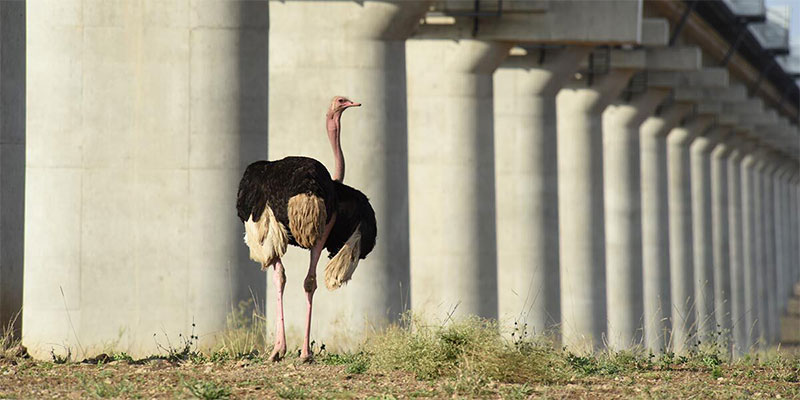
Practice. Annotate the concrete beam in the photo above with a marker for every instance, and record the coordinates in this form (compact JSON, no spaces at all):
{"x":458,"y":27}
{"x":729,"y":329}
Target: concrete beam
{"x":508,"y":6}
{"x":709,"y":107}
{"x":708,"y":77}
{"x":655,"y":32}
{"x":684,"y":58}
{"x":728,"y":119}
{"x":658,"y":59}
{"x":622,"y":59}
{"x":747,"y":107}
{"x":767,"y":118}
{"x":732,"y":93}
{"x":568,"y":21}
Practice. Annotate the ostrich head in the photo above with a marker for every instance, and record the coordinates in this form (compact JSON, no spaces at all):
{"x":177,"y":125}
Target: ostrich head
{"x":341,"y":103}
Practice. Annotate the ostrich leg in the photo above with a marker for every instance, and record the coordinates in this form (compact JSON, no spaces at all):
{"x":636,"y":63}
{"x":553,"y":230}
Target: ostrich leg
{"x":279,"y":277}
{"x":310,"y":285}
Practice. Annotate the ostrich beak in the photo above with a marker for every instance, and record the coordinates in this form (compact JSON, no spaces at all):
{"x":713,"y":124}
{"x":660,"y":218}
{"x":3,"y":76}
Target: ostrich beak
{"x":354,"y":105}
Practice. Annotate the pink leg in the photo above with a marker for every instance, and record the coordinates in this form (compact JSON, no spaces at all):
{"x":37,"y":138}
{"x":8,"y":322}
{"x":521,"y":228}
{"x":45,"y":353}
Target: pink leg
{"x":279,"y":277}
{"x":310,"y":285}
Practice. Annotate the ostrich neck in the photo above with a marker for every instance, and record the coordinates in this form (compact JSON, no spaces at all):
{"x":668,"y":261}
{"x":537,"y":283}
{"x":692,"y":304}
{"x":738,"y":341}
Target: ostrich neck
{"x":334,"y":129}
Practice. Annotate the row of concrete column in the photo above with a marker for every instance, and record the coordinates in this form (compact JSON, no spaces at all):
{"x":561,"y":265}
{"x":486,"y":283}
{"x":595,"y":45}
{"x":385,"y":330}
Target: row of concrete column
{"x":521,"y":188}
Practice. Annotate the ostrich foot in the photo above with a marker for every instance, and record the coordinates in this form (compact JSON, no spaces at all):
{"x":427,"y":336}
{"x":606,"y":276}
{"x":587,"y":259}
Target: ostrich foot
{"x":307,"y":359}
{"x":277,"y":353}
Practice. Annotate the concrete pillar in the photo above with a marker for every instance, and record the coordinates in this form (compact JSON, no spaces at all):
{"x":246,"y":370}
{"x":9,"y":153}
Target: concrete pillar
{"x":140,"y":120}
{"x":357,"y":49}
{"x":655,"y":225}
{"x":796,"y":228}
{"x":759,"y":304}
{"x":680,"y":230}
{"x":794,"y":253}
{"x":720,"y":215}
{"x":735,"y":238}
{"x":527,"y":186}
{"x":702,"y":236}
{"x":12,"y":160}
{"x":794,"y":224}
{"x":792,"y":248}
{"x":451,"y":175}
{"x":623,"y":220}
{"x":770,"y":282}
{"x":781,"y":234}
{"x":579,"y":110}
{"x":749,"y":246}
{"x":794,"y":197}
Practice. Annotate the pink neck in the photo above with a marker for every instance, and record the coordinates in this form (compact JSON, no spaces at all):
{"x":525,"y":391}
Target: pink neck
{"x":334,"y":129}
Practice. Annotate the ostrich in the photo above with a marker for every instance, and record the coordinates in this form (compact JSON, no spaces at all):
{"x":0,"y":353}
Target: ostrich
{"x":295,"y":201}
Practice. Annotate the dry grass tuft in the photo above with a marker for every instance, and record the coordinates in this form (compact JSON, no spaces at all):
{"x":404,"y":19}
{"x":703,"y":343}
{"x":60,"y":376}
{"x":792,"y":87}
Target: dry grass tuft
{"x":245,"y":334}
{"x":10,"y":344}
{"x":472,"y":349}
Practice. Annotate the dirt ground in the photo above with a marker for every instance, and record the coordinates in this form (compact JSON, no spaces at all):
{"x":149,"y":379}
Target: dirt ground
{"x":257,"y":378}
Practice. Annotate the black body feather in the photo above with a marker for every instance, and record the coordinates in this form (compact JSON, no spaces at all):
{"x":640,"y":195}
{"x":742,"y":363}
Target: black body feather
{"x":353,"y":210}
{"x":273,"y":183}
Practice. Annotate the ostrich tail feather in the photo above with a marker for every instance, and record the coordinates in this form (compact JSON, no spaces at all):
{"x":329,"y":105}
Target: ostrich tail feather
{"x":342,"y":266}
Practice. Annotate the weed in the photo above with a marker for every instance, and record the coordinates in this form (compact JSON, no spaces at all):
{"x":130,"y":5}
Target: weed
{"x":336,"y":359}
{"x":207,"y":390}
{"x":187,"y":349}
{"x":121,"y":356}
{"x":358,"y":366}
{"x":59,"y":359}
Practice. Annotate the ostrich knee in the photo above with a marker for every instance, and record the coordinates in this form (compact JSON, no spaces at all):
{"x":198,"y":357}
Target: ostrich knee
{"x":279,"y":278}
{"x":310,"y":284}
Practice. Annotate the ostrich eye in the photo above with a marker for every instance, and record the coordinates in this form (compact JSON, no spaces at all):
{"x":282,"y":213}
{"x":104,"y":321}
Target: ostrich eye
{"x":341,"y":100}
